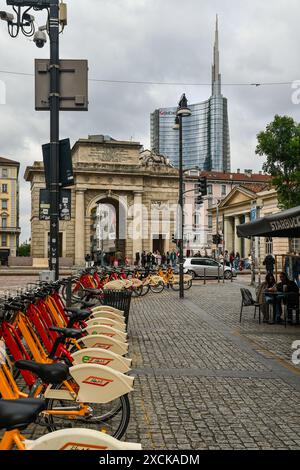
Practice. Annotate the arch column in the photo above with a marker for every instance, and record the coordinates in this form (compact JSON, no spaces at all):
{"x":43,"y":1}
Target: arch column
{"x":247,"y":240}
{"x":237,"y":240}
{"x":137,"y":226}
{"x":79,"y":228}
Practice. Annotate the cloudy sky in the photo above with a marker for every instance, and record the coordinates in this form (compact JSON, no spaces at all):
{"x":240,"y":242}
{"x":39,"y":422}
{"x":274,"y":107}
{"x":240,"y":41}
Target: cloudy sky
{"x":157,"y":41}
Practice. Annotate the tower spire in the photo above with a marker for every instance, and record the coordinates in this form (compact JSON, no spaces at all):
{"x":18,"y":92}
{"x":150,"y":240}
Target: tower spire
{"x":216,"y":76}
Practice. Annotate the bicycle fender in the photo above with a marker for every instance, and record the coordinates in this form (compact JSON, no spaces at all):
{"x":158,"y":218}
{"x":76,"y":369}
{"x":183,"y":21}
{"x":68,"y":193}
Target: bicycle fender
{"x":100,"y":384}
{"x":107,"y":331}
{"x":103,"y":358}
{"x":104,"y":342}
{"x":79,"y":439}
{"x":107,"y":308}
{"x":109,"y":315}
{"x":107,"y":322}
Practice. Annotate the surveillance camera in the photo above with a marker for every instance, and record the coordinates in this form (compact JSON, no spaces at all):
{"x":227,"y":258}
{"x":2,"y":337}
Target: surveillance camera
{"x":40,"y":39}
{"x":28,"y":18}
{"x":9,"y":17}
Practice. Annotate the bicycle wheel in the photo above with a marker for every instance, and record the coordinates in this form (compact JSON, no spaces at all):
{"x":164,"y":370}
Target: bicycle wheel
{"x":188,"y":285}
{"x":175,"y":286}
{"x":111,"y":418}
{"x":158,"y":288}
{"x":145,"y":290}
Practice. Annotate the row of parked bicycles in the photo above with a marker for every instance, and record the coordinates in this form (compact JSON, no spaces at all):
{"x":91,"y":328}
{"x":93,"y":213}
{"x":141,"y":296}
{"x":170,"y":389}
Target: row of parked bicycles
{"x":140,"y":282}
{"x":64,"y":369}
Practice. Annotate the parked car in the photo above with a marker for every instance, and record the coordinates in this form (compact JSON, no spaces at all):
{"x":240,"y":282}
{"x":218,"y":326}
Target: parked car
{"x":195,"y":267}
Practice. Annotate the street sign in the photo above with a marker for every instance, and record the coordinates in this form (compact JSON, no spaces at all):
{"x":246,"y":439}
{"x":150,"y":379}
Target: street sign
{"x":66,"y":177}
{"x":30,"y":3}
{"x":253,"y":214}
{"x":73,"y":85}
{"x":65,"y":201}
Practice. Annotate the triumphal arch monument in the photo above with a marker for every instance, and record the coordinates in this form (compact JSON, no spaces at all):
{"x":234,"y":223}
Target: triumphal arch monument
{"x":124,"y":199}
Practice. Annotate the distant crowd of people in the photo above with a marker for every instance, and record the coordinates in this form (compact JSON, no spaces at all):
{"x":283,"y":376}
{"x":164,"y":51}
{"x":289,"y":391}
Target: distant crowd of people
{"x":144,"y":259}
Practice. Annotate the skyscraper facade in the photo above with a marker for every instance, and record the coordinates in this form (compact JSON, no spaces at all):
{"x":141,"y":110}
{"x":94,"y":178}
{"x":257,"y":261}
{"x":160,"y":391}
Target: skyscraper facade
{"x":206,"y":141}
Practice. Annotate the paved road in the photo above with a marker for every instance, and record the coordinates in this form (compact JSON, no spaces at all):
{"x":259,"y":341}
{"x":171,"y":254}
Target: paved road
{"x":205,"y":382}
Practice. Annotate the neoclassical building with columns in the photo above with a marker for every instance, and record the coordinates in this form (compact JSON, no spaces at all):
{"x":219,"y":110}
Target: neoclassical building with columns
{"x":140,"y":186}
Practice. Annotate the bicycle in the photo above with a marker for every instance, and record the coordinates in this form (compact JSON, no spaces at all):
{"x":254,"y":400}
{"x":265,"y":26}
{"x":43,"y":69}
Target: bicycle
{"x":17,"y":415}
{"x":75,"y":389}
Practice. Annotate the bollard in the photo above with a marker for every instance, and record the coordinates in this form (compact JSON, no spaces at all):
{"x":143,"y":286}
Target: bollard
{"x":231,"y":275}
{"x":204,"y":276}
{"x":218,"y":274}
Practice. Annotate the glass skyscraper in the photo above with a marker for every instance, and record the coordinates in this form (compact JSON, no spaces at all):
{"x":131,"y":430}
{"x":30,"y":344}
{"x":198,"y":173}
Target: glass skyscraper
{"x":206,"y":141}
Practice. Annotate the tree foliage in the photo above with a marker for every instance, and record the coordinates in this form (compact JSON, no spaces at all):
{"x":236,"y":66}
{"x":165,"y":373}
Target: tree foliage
{"x":24,"y":250}
{"x":280,"y":143}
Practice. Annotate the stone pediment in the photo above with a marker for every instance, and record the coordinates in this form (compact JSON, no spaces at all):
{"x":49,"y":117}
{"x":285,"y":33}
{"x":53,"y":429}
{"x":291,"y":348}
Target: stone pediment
{"x":237,"y":196}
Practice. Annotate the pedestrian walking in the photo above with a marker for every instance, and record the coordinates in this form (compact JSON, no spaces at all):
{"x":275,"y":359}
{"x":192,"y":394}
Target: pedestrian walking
{"x":269,"y":262}
{"x":88,"y":260}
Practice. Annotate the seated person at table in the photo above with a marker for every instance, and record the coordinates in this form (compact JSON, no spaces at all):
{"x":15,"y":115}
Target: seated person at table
{"x":269,"y":282}
{"x":284,"y":286}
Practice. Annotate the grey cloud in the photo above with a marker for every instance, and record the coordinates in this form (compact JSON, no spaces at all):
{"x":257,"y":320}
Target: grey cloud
{"x":157,"y":40}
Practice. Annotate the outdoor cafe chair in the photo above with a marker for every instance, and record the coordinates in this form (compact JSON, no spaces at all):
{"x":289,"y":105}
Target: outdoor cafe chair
{"x":291,"y":305}
{"x":248,"y":301}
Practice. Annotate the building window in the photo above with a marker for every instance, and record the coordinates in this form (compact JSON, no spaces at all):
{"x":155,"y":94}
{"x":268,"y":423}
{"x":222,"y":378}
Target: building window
{"x":4,"y":222}
{"x":4,"y":188}
{"x":224,"y":189}
{"x":269,"y":246}
{"x":4,"y":239}
{"x":4,"y":204}
{"x":4,"y":172}
{"x":210,"y":189}
{"x":210,"y":221}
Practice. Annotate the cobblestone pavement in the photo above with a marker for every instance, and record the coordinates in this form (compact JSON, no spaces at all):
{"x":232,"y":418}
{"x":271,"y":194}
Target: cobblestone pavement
{"x":10,"y":284}
{"x":203,"y":381}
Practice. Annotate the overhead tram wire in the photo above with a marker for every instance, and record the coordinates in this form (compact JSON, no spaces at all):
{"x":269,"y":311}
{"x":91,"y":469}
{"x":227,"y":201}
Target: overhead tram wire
{"x":140,"y":82}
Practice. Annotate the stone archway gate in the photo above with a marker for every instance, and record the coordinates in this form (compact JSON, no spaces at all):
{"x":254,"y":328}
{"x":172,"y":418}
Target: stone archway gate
{"x":108,"y":169}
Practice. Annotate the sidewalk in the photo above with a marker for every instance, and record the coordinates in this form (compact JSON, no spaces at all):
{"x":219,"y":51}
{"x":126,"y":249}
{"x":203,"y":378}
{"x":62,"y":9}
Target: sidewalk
{"x":204,"y":382}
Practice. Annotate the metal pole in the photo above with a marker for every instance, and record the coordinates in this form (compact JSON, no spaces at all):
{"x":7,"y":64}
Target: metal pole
{"x":181,"y":275}
{"x":253,"y":254}
{"x":54,"y":136}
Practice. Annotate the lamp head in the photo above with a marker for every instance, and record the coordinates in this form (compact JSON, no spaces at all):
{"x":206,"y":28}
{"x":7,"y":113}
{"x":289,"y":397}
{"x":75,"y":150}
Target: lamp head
{"x":183,"y":109}
{"x":176,"y":124}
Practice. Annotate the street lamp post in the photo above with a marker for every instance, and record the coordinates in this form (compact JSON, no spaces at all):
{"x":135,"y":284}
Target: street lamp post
{"x":26,"y":24}
{"x":54,"y":136}
{"x":182,"y":111}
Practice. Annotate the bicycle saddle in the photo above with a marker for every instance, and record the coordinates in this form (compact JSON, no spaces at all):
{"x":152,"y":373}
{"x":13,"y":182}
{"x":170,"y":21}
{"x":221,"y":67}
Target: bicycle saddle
{"x":19,"y":414}
{"x":53,"y":374}
{"x":93,"y":291}
{"x":79,"y":313}
{"x":76,"y":315}
{"x":67,"y":332}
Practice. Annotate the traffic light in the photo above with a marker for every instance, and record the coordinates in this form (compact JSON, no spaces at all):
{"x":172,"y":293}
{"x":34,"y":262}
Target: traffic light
{"x":202,"y":182}
{"x":199,"y":200}
{"x":174,"y":240}
{"x":217,"y":239}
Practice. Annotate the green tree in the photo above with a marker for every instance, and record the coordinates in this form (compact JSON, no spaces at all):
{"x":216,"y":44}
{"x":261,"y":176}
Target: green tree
{"x":280,"y":143}
{"x":24,"y":250}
